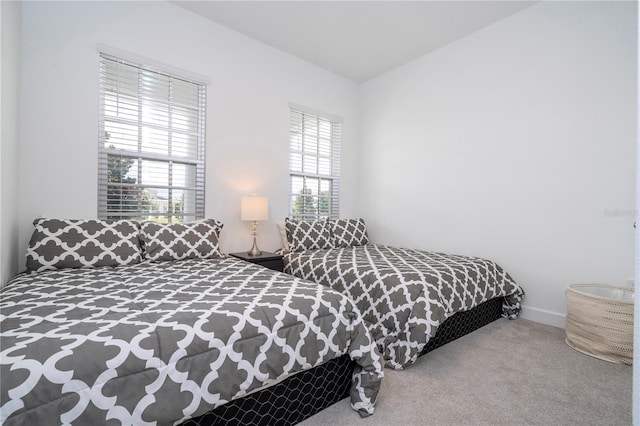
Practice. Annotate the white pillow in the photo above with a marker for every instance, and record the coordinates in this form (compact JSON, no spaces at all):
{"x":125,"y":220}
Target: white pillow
{"x":283,"y":235}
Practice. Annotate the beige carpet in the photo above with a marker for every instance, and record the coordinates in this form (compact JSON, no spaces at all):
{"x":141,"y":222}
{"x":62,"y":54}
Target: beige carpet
{"x":507,"y":373}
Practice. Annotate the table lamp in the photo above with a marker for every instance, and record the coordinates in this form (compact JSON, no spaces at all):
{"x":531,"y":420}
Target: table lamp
{"x":254,"y":209}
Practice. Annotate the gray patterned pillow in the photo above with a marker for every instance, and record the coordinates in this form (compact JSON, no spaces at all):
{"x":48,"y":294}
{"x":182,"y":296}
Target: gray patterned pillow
{"x":308,"y":235}
{"x":178,"y":241}
{"x":67,"y":243}
{"x":349,"y":232}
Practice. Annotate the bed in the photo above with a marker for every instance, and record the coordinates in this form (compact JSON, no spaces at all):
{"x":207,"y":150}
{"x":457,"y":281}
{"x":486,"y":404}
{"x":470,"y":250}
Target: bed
{"x":403,"y":295}
{"x":125,"y":323}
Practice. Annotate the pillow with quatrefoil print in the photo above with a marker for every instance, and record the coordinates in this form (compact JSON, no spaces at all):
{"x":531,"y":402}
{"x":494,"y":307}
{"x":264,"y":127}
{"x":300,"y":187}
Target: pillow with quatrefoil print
{"x":308,"y":235}
{"x":349,"y":232}
{"x":69,"y":243}
{"x":178,"y":241}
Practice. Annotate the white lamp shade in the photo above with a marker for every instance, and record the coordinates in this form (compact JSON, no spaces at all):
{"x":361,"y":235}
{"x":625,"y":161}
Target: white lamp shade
{"x":254,"y":208}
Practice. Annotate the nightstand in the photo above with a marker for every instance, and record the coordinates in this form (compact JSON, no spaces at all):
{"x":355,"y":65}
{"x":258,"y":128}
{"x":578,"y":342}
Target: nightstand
{"x":266,"y":259}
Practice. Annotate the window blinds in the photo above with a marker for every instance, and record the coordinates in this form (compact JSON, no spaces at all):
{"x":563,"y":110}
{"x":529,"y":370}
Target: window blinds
{"x":314,"y":165}
{"x":151,"y":144}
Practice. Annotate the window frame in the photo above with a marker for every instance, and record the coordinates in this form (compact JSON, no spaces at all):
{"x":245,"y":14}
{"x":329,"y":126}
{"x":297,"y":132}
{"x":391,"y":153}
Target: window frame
{"x":299,"y":115}
{"x":173,"y":162}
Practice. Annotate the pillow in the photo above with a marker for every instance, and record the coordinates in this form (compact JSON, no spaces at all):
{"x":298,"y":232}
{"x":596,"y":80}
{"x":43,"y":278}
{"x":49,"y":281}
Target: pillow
{"x":67,"y":243}
{"x":178,"y":241}
{"x":283,"y":235}
{"x":308,"y":235}
{"x":349,"y":232}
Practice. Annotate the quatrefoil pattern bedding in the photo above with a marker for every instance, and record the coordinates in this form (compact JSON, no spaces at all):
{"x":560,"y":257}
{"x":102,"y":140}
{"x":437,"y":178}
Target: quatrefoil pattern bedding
{"x":67,"y":243}
{"x":304,"y":235}
{"x":403,"y":294}
{"x":178,"y":241}
{"x":160,"y":342}
{"x":349,"y":232}
{"x":308,"y":235}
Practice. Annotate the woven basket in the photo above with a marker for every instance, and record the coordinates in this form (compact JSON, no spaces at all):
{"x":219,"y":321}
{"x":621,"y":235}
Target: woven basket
{"x":600,"y":321}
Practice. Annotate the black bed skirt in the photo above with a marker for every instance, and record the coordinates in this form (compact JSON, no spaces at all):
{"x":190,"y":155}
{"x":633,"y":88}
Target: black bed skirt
{"x":301,"y":396}
{"x":464,"y":323}
{"x":288,"y":402}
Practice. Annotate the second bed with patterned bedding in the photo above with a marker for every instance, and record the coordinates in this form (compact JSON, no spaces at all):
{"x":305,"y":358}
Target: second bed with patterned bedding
{"x":403,"y":294}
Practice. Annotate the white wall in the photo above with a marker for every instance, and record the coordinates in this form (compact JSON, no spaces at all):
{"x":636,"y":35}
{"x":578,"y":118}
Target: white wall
{"x":10,"y":27}
{"x":247,"y":109}
{"x":515,"y":143}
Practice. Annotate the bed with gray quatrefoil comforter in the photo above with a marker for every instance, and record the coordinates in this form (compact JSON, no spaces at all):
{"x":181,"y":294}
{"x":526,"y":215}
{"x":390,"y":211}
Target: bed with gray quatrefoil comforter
{"x":158,"y":343}
{"x":404,"y":294}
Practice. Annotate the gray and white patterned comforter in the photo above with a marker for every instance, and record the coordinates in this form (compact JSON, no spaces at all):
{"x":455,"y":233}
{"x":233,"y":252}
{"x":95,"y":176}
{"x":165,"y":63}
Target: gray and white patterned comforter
{"x":157,"y":343}
{"x":403,"y":294}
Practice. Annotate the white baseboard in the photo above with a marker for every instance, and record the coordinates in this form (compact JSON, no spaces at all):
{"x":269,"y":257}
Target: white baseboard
{"x":543,"y":316}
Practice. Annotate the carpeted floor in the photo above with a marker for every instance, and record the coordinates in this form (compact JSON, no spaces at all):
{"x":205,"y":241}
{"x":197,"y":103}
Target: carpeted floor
{"x":507,"y":373}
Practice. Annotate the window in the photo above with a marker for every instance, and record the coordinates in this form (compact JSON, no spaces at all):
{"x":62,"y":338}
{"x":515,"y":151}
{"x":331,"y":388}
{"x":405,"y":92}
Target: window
{"x":151,"y":152}
{"x":314,"y":165}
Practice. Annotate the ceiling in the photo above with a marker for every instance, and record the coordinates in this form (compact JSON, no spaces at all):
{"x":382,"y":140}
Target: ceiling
{"x":358,"y":40}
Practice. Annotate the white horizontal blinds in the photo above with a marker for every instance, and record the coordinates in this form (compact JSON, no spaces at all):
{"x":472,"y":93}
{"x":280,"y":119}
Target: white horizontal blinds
{"x":151,"y":154}
{"x":314,"y":166}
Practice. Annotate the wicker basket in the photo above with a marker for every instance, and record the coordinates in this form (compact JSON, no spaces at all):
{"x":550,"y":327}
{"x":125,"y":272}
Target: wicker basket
{"x":600,"y":321}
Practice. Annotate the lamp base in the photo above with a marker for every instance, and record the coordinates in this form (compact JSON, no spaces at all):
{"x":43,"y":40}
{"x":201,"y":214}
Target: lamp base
{"x":255,"y":251}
